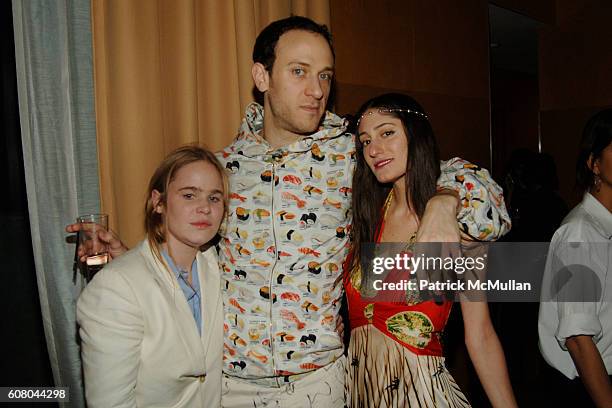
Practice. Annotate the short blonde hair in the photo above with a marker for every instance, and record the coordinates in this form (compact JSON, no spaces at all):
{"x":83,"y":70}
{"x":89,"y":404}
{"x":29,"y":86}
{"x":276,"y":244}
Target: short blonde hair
{"x":161,"y":179}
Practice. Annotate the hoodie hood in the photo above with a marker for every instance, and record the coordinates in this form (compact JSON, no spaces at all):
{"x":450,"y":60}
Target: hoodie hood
{"x":250,"y":143}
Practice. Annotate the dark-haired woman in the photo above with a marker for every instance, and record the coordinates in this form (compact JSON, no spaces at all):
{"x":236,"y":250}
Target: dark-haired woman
{"x":575,"y":322}
{"x":395,"y":354}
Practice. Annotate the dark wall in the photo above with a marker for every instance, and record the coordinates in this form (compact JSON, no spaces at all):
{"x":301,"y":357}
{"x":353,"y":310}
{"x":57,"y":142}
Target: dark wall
{"x":11,"y":167}
{"x":541,"y":10}
{"x":514,"y":116}
{"x":434,"y":51}
{"x":575,"y":81}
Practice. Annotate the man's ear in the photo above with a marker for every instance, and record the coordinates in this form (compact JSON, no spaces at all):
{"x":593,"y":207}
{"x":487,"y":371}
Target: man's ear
{"x":155,"y":199}
{"x":261,"y":77}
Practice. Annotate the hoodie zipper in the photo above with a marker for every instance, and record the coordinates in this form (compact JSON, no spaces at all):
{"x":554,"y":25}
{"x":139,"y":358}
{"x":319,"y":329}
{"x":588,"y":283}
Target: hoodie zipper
{"x":271,"y":324}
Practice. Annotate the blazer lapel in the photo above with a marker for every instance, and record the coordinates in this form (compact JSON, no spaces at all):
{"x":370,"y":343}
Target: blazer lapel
{"x":210,"y":286}
{"x":176,"y":299}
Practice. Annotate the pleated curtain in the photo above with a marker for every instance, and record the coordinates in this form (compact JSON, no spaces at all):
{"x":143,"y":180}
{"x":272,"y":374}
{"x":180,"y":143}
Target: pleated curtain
{"x":170,"y":72}
{"x":56,"y":108}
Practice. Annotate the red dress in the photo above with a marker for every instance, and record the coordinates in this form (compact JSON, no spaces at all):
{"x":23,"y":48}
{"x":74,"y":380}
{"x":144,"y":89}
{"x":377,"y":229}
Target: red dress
{"x":395,"y":354}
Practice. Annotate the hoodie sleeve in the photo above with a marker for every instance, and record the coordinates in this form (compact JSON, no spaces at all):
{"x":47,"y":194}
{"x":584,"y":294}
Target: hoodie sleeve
{"x":483,"y":214}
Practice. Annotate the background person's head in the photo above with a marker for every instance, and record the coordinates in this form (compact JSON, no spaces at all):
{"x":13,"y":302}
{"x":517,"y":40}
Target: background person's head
{"x":594,"y":164}
{"x":186,"y":199}
{"x":293,"y":66}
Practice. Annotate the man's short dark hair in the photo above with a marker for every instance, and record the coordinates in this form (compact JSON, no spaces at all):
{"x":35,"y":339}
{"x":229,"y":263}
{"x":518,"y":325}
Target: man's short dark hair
{"x":264,"y":50}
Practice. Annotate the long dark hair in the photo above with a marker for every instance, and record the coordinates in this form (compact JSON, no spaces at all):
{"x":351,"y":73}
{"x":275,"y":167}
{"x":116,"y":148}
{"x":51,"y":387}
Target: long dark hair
{"x":597,"y":135}
{"x":422,"y":168}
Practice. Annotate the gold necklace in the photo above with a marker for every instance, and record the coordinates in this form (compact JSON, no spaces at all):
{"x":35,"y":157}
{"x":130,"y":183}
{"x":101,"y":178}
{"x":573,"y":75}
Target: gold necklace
{"x":357,"y":274}
{"x":387,"y":204}
{"x":386,"y":207}
{"x":412,"y":297}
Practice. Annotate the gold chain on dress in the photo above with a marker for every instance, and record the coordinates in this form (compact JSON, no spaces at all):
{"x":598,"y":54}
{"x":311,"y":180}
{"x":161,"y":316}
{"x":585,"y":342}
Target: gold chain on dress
{"x":412,"y":297}
{"x":357,"y":275}
{"x":388,"y":202}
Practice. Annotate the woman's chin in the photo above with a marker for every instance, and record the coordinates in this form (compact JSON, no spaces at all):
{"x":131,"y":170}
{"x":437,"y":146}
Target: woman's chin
{"x":387,"y":179}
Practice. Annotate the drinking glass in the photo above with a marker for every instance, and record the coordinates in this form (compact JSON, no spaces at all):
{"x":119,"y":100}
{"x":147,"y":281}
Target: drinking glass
{"x":95,"y":249}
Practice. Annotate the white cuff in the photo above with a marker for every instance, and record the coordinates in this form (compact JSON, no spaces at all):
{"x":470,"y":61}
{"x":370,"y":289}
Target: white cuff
{"x":578,"y":324}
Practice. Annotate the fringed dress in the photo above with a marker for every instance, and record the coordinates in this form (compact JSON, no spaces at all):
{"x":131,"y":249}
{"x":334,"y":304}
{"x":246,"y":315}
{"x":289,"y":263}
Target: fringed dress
{"x":395,"y":353}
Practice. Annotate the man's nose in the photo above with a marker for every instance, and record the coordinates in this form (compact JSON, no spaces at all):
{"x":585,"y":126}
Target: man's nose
{"x":314,"y":88}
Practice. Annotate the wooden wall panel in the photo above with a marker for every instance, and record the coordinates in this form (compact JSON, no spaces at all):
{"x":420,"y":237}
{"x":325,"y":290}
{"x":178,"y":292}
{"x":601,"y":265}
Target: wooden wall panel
{"x":566,"y":10}
{"x":435,"y":51}
{"x":374,"y":42}
{"x":541,"y":10}
{"x":449,"y":117}
{"x":575,"y":82}
{"x":514,"y":116}
{"x":452,"y":47}
{"x":576,"y":63}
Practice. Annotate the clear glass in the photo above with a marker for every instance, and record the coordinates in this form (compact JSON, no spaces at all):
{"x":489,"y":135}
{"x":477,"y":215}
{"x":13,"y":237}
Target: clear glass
{"x":95,"y":249}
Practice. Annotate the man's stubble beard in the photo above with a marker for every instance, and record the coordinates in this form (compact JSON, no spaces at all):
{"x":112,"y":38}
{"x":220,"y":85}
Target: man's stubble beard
{"x":282,"y":118}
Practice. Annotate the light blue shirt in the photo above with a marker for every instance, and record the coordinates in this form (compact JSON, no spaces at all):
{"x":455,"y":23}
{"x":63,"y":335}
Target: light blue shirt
{"x":192,"y":292}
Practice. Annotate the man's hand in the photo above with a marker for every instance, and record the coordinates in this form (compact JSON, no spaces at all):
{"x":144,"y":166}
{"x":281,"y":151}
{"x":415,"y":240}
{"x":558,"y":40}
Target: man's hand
{"x":113,"y":244}
{"x":439,"y":225}
{"x":439,"y":222}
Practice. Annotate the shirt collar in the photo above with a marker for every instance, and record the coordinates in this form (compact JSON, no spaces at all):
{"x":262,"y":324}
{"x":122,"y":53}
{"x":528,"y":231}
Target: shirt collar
{"x":599,"y":213}
{"x":181,"y":274}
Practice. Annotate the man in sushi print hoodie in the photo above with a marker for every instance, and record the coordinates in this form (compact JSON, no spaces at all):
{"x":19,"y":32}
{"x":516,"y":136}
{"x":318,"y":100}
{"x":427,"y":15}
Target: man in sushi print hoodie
{"x":287,"y":233}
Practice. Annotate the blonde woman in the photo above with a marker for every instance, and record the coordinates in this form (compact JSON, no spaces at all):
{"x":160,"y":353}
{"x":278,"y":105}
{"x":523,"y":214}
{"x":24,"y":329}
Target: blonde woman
{"x":151,"y":321}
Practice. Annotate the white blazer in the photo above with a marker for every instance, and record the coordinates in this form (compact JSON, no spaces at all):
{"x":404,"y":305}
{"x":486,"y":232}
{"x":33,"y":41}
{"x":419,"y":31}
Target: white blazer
{"x":139,"y":342}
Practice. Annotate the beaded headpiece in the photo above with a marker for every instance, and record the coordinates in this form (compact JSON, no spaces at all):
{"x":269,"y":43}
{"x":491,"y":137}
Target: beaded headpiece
{"x":391,"y":110}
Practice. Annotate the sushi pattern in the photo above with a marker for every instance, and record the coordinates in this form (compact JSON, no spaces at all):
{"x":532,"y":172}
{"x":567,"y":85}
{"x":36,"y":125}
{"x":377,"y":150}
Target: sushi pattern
{"x":287,"y":235}
{"x":483,"y":215}
{"x":282,"y":247}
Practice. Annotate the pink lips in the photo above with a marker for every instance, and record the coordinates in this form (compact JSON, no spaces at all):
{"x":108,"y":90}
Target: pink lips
{"x":202,"y":224}
{"x":382,"y":163}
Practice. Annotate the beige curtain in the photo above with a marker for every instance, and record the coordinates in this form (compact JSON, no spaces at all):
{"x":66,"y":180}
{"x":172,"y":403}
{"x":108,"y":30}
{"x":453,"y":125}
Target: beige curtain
{"x":170,"y":72}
